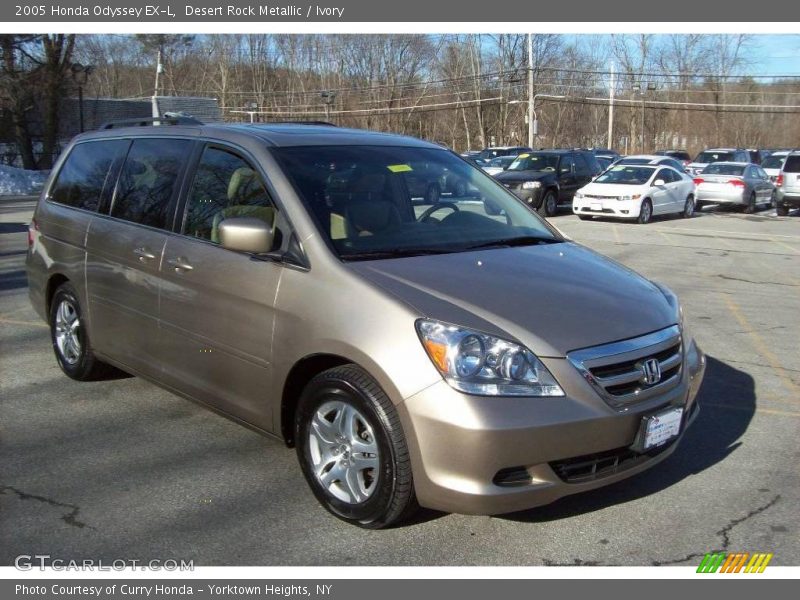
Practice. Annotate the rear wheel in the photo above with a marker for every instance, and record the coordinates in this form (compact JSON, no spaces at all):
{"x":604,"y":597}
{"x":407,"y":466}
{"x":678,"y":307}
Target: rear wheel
{"x":781,"y":210}
{"x":585,"y":217}
{"x":688,"y":208}
{"x":549,"y":205}
{"x":70,"y":337}
{"x":352,"y":449}
{"x":750,"y":207}
{"x":645,"y":212}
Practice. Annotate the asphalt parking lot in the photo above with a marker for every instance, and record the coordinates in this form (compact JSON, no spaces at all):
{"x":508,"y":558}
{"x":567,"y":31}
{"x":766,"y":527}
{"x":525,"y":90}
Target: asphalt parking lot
{"x":124,"y":470}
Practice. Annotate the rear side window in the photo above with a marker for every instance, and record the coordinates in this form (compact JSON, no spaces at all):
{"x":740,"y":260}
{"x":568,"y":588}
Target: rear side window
{"x":148,"y":181}
{"x":792,"y":164}
{"x":225,"y":186}
{"x":87,"y":173}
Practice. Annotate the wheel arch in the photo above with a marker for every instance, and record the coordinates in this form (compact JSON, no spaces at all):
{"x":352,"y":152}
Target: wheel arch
{"x":53,"y":283}
{"x":299,"y":375}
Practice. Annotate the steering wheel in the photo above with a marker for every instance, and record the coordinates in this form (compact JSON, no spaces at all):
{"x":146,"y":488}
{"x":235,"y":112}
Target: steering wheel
{"x":427,"y":214}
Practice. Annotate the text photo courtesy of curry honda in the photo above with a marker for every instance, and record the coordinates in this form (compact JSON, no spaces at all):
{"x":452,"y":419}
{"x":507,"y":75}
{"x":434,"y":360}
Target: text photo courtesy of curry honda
{"x":533,"y":291}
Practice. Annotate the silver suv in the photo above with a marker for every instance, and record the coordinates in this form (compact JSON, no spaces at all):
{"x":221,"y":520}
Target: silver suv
{"x":460,"y":355}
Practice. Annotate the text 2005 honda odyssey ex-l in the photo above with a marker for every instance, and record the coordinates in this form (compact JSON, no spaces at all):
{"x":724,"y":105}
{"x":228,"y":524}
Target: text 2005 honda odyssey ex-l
{"x":460,"y":355}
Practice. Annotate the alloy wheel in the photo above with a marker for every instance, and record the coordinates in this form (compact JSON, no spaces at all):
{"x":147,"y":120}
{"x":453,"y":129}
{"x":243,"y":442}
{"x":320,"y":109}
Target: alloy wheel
{"x":68,"y":326}
{"x":344,"y":452}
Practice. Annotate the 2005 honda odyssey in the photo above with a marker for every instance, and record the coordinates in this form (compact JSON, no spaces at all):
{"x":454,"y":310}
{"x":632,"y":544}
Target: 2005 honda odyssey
{"x":460,"y":355}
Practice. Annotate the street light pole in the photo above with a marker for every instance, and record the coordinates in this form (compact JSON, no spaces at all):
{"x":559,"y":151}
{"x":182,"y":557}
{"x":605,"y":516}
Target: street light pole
{"x":611,"y":109}
{"x":80,"y":74}
{"x":531,"y":96}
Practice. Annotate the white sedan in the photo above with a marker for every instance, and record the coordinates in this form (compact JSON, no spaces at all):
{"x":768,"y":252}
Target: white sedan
{"x":636,"y":192}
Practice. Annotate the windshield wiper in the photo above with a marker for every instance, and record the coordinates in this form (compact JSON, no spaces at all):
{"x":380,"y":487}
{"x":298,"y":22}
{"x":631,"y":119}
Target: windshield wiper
{"x":526,"y":240}
{"x":396,"y":253}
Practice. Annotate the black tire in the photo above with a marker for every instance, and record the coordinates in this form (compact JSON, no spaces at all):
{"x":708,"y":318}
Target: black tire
{"x":773,"y":200}
{"x":433,"y":193}
{"x":698,"y":207}
{"x":782,"y":210}
{"x":688,"y":208}
{"x":645,"y":214}
{"x":585,"y":217}
{"x":549,"y":204}
{"x":77,"y":363}
{"x":750,"y":207}
{"x":392,"y":499}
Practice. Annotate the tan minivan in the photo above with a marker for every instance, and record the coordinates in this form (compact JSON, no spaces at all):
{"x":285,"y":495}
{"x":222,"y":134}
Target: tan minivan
{"x":450,"y":350}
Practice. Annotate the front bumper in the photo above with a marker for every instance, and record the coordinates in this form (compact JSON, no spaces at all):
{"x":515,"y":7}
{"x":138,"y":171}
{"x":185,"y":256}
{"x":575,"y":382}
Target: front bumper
{"x":624,"y":209}
{"x":720,"y":196}
{"x":488,"y":455}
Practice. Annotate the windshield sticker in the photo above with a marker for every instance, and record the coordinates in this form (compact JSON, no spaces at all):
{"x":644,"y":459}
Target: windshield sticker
{"x":523,"y":156}
{"x":399,"y":168}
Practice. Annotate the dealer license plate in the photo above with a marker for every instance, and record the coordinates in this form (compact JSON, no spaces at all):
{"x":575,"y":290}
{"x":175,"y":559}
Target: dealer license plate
{"x":662,"y":427}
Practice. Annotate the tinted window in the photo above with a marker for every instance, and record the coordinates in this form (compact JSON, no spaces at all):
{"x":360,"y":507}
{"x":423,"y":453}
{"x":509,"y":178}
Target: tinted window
{"x":663,"y":174}
{"x":723,"y":169}
{"x":710,"y":157}
{"x":85,"y":174}
{"x":792,"y":164}
{"x":534,"y":162}
{"x":580,"y":164}
{"x":225,"y":185}
{"x":147,"y":181}
{"x":567,"y":165}
{"x":773,"y":162}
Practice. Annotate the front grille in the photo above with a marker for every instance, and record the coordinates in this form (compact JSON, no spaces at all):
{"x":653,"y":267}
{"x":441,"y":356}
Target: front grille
{"x":589,"y":467}
{"x":594,"y":197}
{"x":617,"y":370}
{"x":602,"y":210}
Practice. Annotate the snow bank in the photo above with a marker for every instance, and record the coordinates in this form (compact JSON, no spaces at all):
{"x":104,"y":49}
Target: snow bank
{"x":19,"y":182}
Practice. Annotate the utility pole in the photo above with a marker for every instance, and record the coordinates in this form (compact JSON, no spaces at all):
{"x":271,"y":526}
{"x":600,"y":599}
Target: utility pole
{"x":611,"y":109}
{"x":531,"y":113}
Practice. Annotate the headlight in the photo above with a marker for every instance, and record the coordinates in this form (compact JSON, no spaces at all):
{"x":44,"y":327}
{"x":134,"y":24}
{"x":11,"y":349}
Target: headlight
{"x":578,"y":195}
{"x":633,"y":197}
{"x":531,"y":185}
{"x":481,"y":364}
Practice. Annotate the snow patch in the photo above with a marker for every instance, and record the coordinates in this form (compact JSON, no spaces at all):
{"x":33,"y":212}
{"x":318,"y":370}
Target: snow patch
{"x":19,"y":182}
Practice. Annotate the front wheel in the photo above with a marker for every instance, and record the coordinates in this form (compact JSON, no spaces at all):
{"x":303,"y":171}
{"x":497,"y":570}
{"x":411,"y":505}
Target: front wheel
{"x":549,"y":205}
{"x":781,"y":210}
{"x":645,"y":212}
{"x":352,"y":449}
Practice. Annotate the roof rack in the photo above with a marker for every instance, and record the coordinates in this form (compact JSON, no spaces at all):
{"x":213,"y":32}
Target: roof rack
{"x":326,"y":123}
{"x":150,"y":121}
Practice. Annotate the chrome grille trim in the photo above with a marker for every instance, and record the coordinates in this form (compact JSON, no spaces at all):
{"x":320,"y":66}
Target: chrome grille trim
{"x":621,"y":361}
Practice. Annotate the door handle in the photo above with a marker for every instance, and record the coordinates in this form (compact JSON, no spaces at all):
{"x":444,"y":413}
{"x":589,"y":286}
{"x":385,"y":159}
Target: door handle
{"x":179,"y":264}
{"x":144,"y":254}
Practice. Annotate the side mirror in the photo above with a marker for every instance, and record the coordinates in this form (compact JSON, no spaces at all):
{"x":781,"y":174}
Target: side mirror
{"x":659,"y":182}
{"x":246,"y":234}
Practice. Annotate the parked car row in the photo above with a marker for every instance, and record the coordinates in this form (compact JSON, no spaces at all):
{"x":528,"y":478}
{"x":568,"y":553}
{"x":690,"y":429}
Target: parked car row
{"x":599,"y":182}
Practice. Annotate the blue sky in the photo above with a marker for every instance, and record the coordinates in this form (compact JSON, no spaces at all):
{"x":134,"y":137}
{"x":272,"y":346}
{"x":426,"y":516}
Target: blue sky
{"x":776,"y":54}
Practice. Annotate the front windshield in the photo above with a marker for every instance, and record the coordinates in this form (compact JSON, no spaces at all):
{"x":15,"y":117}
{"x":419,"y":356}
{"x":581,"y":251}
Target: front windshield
{"x":385,"y":201}
{"x":501,"y":161}
{"x":773,"y":162}
{"x":719,"y":169}
{"x":626,"y":175}
{"x":534,"y":162}
{"x":710,"y":157}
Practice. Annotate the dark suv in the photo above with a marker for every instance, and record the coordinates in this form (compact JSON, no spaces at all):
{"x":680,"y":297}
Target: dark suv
{"x":546,"y":179}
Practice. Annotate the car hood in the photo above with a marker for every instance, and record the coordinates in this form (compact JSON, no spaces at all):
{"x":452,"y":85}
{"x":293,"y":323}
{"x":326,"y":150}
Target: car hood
{"x":552,"y":298}
{"x":612,"y":189}
{"x":515,"y":176}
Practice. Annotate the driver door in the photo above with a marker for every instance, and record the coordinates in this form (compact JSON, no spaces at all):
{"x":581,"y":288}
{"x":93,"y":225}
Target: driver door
{"x":661,"y":195}
{"x":567,"y":179}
